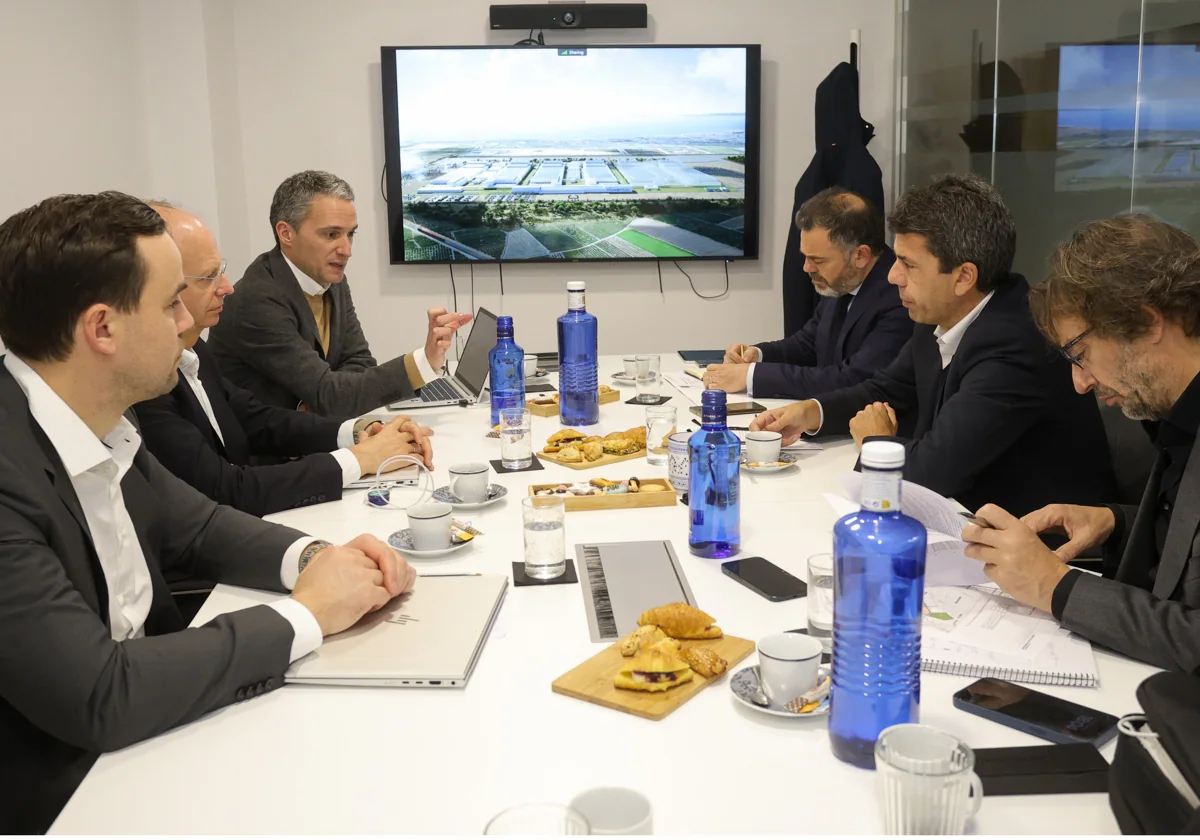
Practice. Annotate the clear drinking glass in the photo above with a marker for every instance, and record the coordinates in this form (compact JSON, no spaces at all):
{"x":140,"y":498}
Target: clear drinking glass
{"x":538,"y":818}
{"x":660,"y":425}
{"x":820,"y":599}
{"x":545,"y":536}
{"x":926,"y":780}
{"x":630,"y":363}
{"x":647,"y":379}
{"x":516,"y":439}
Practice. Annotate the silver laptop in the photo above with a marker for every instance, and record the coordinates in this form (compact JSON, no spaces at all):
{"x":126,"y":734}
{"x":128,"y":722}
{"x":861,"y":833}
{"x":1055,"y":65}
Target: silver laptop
{"x":470,"y":376}
{"x":431,"y":637}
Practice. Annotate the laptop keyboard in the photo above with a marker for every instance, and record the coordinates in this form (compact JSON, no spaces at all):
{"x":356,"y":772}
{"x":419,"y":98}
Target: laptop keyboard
{"x":438,"y":390}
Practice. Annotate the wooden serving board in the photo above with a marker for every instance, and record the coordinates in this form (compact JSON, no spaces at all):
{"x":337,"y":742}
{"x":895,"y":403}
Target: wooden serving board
{"x":585,"y":464}
{"x":617,"y":501}
{"x":551,"y":410}
{"x":593,"y":680}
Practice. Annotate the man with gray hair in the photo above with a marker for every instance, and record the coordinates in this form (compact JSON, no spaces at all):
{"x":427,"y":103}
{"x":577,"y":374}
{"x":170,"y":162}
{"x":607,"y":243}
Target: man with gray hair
{"x":984,"y":408}
{"x":291,"y":336}
{"x":859,"y":325}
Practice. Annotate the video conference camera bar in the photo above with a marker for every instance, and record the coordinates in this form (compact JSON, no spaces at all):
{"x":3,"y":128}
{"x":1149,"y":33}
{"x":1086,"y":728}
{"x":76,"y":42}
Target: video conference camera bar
{"x":569,"y":16}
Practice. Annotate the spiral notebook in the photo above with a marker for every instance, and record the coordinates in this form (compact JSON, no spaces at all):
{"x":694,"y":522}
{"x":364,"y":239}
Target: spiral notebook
{"x":977,"y":631}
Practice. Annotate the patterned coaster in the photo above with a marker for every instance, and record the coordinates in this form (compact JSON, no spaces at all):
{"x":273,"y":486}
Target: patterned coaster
{"x":535,"y":464}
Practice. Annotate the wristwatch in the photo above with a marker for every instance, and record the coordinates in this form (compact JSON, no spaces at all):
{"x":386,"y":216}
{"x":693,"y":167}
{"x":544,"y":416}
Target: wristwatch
{"x":362,"y":425}
{"x":309,"y":553}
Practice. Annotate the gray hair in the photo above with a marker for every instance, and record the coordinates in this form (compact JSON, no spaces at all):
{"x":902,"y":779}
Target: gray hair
{"x":294,"y":197}
{"x":964,"y":220}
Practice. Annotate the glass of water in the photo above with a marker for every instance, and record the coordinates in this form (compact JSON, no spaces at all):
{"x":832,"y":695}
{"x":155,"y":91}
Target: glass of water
{"x":820,"y":599}
{"x":647,"y":379}
{"x":538,"y":819}
{"x":660,"y":425}
{"x":516,"y":438}
{"x":545,"y":536}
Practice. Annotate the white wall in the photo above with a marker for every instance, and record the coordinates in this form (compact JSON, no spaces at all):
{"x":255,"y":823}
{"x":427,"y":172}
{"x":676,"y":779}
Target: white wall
{"x":269,"y":87}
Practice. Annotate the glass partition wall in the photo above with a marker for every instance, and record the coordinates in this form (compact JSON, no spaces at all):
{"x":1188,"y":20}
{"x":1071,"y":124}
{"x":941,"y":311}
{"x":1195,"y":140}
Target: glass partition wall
{"x":1074,"y":109}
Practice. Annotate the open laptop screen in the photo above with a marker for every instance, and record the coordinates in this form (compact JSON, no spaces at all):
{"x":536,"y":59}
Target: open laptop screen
{"x":472,"y":367}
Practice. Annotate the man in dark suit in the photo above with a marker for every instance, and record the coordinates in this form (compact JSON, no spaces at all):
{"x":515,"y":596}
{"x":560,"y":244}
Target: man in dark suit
{"x":291,"y":336}
{"x":1122,"y":301}
{"x":984,"y":408}
{"x":206,"y":430}
{"x":93,"y":653}
{"x":859,"y":326}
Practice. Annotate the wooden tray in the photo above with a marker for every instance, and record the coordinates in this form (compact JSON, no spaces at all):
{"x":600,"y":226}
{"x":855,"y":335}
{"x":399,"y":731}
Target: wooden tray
{"x":552,"y":410}
{"x":615,"y":501}
{"x":602,"y":461}
{"x":593,"y":680}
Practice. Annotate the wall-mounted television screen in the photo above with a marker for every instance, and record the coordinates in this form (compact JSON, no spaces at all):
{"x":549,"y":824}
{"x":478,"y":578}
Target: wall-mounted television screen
{"x":571,"y":153}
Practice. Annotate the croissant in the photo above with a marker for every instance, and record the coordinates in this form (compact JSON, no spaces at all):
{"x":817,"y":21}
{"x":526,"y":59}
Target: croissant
{"x":682,"y":621}
{"x":653,"y":670}
{"x":634,"y":642}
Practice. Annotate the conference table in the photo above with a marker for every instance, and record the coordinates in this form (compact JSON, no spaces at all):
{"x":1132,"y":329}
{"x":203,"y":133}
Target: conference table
{"x":315,"y":759}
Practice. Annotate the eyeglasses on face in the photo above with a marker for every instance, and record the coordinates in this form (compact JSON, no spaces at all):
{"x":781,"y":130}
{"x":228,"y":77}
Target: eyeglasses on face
{"x":212,"y":278}
{"x":1074,"y":358}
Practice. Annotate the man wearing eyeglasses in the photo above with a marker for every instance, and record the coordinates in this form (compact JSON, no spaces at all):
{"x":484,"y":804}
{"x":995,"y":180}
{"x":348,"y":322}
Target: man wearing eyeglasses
{"x":984,"y":408}
{"x":207,"y":430}
{"x":1123,"y":304}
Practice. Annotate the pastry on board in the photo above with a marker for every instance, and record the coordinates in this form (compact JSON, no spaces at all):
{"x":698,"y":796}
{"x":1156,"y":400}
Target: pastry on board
{"x":704,"y":661}
{"x":592,"y":451}
{"x":565,"y":435}
{"x":653,"y":670}
{"x":682,"y":621}
{"x":619,"y":446}
{"x":570,"y":454}
{"x":640,"y":638}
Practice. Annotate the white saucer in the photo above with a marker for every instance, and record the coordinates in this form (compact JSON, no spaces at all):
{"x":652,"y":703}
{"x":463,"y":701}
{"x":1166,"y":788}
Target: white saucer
{"x":744,"y":685}
{"x":786,"y":459}
{"x":496,"y":492}
{"x":624,"y":378}
{"x":402,"y":541}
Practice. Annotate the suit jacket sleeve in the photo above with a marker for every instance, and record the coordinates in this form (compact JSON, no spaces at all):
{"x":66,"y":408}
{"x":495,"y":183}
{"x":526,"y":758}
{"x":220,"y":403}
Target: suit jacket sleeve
{"x":285,"y":432}
{"x":270,"y":341}
{"x":256,"y":490}
{"x":61,"y":669}
{"x":1134,"y":622}
{"x":896,"y":384}
{"x":800,"y":380}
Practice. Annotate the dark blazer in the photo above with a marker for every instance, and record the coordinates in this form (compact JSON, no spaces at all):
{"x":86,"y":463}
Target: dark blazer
{"x":178,"y":434}
{"x":68,"y":692}
{"x":841,"y":160}
{"x":268,"y":343}
{"x":1154,"y":618}
{"x":816,"y":359}
{"x":1003,"y":425}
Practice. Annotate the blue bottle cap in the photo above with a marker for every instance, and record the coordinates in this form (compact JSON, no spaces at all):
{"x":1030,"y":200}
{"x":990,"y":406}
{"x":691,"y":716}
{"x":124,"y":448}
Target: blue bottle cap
{"x":504,"y":326}
{"x":713,"y":398}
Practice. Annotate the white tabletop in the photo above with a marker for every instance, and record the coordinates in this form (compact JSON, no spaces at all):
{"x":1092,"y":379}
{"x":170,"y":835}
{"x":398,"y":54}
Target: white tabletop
{"x":309,"y":759}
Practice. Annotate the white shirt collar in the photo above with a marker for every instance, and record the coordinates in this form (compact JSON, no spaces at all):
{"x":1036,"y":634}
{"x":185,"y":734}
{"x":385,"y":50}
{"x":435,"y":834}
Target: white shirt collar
{"x":308,"y":285}
{"x":857,"y":289}
{"x":189,"y":363}
{"x":948,"y":340}
{"x":77,"y":446}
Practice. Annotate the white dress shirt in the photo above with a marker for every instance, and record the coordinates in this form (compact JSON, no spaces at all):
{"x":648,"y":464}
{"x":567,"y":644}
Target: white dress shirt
{"x":96,"y":467}
{"x":750,"y":369}
{"x":947,"y":341}
{"x":189,"y":366}
{"x":313,"y":287}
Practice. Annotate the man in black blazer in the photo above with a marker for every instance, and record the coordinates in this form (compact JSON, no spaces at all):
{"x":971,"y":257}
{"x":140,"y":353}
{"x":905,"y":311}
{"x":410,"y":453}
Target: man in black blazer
{"x":1122,"y":301}
{"x":984,"y":407}
{"x":94,"y":655}
{"x":859,"y":325}
{"x":291,"y":336}
{"x":207,"y":430}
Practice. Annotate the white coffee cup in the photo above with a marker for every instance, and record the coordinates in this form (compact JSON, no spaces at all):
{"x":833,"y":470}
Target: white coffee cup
{"x":679,"y":460}
{"x":763,"y":447}
{"x":430,"y":526}
{"x":469,"y":482}
{"x":788,"y":665}
{"x":614,"y":810}
{"x":530,"y":365}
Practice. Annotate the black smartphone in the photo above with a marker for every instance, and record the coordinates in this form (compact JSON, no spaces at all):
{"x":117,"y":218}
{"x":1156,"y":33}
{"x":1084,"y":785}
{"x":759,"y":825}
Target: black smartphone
{"x":735,"y":408}
{"x":765,"y":578}
{"x":1035,"y":713}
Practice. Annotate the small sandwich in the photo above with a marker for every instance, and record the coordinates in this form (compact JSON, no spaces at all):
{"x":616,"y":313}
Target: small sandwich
{"x":565,"y":436}
{"x":653,"y":670}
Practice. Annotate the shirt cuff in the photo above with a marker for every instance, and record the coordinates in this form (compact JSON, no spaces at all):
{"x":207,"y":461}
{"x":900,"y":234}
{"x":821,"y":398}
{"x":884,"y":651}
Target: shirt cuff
{"x":821,"y":410}
{"x":289,"y":570}
{"x":1058,"y":601}
{"x":428,"y":374}
{"x":345,"y":435}
{"x":750,"y":379}
{"x":306,"y":632}
{"x":351,"y":469}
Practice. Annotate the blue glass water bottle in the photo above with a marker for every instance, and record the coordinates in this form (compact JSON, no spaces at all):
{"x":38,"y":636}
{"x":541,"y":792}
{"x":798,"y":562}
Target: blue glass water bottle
{"x":578,"y":388}
{"x":506,"y":368}
{"x":879,"y":582}
{"x":714,"y":508}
